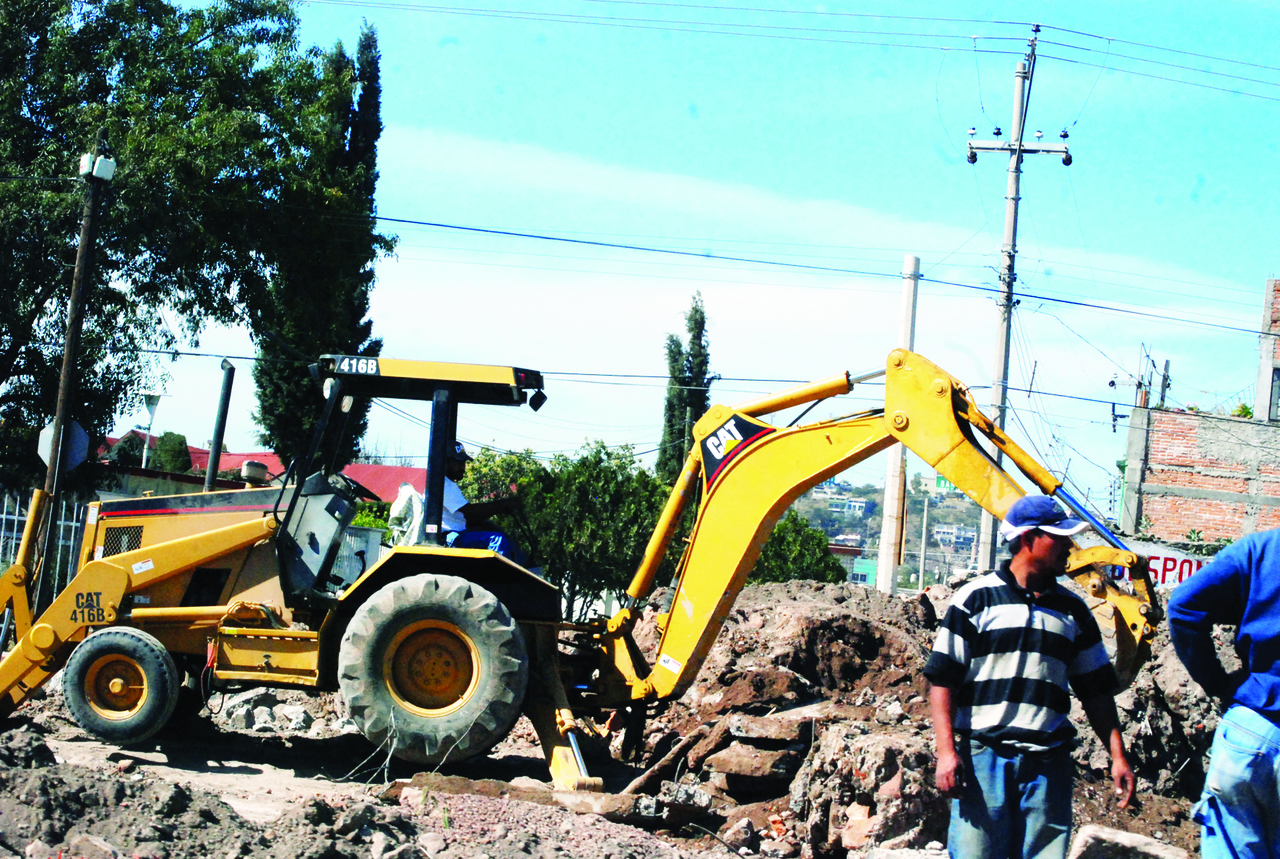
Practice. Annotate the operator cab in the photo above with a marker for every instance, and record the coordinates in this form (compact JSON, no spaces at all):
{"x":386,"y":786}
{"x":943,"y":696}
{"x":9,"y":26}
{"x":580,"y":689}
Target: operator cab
{"x":322,"y":504}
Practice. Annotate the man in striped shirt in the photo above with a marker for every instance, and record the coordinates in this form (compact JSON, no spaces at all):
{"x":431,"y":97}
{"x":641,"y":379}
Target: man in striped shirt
{"x":1012,"y":647}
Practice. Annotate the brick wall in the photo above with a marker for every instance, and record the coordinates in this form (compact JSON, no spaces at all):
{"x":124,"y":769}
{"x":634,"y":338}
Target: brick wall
{"x":1188,"y":471}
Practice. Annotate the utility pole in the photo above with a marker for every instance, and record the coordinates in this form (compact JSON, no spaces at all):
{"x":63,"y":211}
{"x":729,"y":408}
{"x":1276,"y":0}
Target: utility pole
{"x":894,"y":518}
{"x":924,"y":538}
{"x":89,"y":169}
{"x":96,"y":170}
{"x":1016,"y":148}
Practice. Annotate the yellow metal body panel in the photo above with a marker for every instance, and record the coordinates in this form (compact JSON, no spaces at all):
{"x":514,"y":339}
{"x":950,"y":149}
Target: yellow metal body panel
{"x":165,"y":527}
{"x":268,"y":655}
{"x":427,"y":552}
{"x":737,"y":515}
{"x":483,"y":374}
{"x":932,"y":413}
{"x":418,"y":380}
{"x":94,"y":598}
{"x":87,"y":540}
{"x":258,"y":581}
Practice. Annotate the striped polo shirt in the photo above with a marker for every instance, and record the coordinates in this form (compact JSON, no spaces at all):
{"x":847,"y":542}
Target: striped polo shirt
{"x":1010,"y":656}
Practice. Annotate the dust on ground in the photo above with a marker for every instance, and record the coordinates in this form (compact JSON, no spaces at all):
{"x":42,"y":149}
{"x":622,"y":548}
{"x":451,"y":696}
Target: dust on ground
{"x":806,"y":734}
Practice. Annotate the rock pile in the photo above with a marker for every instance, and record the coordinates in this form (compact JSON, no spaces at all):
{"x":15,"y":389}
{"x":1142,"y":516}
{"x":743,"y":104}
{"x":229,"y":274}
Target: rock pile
{"x":811,"y":708}
{"x":806,"y":734}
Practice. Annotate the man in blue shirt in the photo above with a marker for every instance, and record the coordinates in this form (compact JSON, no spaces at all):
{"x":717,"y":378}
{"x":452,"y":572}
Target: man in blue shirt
{"x":1239,"y":811}
{"x":466,"y":523}
{"x":1013,"y":646}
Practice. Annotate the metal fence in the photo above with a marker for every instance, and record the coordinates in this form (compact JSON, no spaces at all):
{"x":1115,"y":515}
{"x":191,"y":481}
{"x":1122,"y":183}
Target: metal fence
{"x":68,"y":528}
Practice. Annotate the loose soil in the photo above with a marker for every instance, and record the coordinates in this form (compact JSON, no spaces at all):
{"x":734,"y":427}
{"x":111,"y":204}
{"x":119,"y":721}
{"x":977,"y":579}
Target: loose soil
{"x":806,"y":734}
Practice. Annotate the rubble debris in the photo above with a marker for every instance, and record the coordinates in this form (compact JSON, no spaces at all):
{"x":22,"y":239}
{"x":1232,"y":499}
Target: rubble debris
{"x":806,"y":734}
{"x":667,"y":765}
{"x":1101,"y":842}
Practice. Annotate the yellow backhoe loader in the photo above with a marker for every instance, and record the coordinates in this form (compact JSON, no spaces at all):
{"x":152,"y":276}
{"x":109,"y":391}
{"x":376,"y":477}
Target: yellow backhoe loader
{"x":437,"y":650}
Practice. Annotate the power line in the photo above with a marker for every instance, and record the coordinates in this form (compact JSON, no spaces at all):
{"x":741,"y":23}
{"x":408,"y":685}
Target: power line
{"x":1177,"y":66}
{"x":762,"y":31}
{"x":630,"y":247}
{"x":803,"y":267}
{"x":1219,"y":59}
{"x":1128,"y":311}
{"x":945,"y":254}
{"x":802,"y":33}
{"x":810,"y":12}
{"x":1164,"y":78}
{"x":682,"y":25}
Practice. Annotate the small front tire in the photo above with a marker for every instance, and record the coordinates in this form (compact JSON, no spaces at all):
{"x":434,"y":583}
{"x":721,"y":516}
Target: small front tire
{"x":121,"y":684}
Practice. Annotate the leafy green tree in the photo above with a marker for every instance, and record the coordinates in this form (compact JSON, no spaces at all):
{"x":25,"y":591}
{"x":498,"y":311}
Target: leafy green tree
{"x":688,"y":390}
{"x":494,"y":475}
{"x":796,"y":550}
{"x":172,"y":454}
{"x":587,"y":519}
{"x":318,"y":297}
{"x":212,"y":115}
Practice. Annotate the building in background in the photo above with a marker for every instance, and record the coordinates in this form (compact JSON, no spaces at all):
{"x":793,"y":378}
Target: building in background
{"x":1199,"y":477}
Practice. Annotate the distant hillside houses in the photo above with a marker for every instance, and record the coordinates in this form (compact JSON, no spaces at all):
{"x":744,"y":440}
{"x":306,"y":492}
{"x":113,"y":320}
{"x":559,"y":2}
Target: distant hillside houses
{"x":840,"y":499}
{"x":958,"y":537}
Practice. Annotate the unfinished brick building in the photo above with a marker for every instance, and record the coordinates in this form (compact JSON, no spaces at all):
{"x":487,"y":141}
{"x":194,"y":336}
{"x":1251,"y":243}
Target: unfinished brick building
{"x":1212,"y":474}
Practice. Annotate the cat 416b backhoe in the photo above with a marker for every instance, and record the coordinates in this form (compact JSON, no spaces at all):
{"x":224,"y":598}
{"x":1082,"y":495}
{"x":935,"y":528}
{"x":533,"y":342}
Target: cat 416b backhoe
{"x":437,"y":650}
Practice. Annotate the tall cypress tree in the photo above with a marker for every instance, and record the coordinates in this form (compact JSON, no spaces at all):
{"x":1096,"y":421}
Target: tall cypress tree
{"x":688,"y":390}
{"x":321,"y":283}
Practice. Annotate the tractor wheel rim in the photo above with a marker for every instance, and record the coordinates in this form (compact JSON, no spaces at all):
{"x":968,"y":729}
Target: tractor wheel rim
{"x":116,"y":687}
{"x":431,"y":667}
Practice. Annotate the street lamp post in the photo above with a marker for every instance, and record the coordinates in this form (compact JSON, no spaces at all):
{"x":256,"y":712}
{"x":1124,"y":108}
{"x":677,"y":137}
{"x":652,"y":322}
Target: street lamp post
{"x":152,"y":400}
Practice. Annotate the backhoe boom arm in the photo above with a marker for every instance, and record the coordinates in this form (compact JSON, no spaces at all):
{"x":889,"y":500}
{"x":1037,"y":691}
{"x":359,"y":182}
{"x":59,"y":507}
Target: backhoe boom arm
{"x":751,"y":472}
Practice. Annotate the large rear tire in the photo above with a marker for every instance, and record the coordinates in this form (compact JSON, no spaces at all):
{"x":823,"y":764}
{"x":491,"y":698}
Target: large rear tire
{"x":121,"y":684}
{"x":434,"y":667}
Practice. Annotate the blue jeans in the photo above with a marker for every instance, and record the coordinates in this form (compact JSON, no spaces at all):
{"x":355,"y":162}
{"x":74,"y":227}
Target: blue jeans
{"x":1014,"y":805}
{"x":1239,"y":811}
{"x":494,"y":541}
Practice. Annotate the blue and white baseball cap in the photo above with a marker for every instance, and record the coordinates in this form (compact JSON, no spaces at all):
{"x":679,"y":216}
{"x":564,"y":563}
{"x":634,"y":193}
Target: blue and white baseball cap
{"x":1038,"y":513}
{"x":460,"y":452}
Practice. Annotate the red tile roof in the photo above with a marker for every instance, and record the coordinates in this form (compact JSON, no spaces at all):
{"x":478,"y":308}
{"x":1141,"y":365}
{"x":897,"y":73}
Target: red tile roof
{"x":383,"y":480}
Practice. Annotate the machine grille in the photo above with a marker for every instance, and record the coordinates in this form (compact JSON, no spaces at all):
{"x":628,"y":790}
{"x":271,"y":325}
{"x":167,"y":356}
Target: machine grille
{"x":124,"y":539}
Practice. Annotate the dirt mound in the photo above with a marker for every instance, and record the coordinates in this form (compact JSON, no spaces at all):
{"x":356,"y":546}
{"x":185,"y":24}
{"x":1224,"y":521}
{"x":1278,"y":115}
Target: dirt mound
{"x":93,"y":813}
{"x":794,"y":643}
{"x":805,"y":734}
{"x":49,"y":809}
{"x":847,"y":663}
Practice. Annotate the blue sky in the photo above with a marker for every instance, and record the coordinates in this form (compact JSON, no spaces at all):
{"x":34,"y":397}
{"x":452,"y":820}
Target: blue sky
{"x":823,"y":135}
